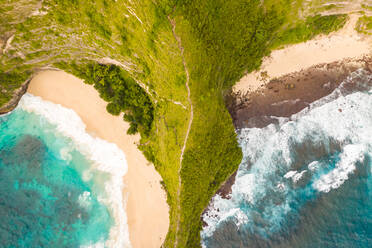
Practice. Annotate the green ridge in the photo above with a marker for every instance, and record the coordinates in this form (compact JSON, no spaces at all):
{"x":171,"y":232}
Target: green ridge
{"x":222,"y":40}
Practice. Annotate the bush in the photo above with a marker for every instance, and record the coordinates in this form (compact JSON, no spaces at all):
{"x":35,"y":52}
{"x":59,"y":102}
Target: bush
{"x":113,"y":108}
{"x":308,"y":29}
{"x":121,"y":92}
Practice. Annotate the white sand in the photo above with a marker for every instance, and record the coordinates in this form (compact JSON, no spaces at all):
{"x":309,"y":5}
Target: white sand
{"x":345,"y":43}
{"x":146,"y":206}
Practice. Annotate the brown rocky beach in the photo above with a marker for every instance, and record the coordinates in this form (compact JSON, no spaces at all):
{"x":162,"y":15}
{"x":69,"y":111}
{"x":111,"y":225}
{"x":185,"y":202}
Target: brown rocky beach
{"x":291,"y":78}
{"x":289,"y":94}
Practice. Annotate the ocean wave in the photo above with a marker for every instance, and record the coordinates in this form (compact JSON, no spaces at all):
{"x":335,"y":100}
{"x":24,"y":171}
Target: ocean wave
{"x":295,"y":175}
{"x":104,"y":156}
{"x":350,"y":157}
{"x":286,"y":165}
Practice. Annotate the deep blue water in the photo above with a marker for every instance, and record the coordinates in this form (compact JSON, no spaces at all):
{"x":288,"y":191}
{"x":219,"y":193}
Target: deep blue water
{"x":44,"y":201}
{"x":305,"y":182}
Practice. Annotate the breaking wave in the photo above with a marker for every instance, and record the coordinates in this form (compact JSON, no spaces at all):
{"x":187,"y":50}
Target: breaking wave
{"x":92,"y":168}
{"x":305,"y":182}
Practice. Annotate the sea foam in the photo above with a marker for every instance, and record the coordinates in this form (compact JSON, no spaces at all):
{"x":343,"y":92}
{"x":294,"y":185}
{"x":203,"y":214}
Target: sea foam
{"x":285,"y":165}
{"x":104,"y":156}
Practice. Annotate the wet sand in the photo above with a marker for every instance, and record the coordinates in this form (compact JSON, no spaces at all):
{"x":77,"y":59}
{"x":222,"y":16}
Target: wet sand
{"x":146,"y":207}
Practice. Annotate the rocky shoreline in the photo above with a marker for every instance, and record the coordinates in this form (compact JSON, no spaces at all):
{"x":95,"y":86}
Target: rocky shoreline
{"x":289,"y":94}
{"x":17,"y":95}
{"x":285,"y":96}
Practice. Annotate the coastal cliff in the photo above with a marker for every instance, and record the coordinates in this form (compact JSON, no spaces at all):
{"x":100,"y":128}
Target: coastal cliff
{"x":15,"y":98}
{"x":287,"y":95}
{"x":184,"y":55}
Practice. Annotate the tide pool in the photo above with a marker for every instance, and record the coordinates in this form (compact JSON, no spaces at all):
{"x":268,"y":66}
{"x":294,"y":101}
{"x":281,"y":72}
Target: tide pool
{"x":59,"y":187}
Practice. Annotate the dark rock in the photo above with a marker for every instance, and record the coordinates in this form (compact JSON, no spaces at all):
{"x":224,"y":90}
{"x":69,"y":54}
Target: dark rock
{"x":17,"y":95}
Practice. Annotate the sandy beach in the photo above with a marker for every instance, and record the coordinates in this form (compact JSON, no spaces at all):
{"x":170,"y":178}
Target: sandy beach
{"x":295,"y":76}
{"x":146,"y":206}
{"x":340,"y":45}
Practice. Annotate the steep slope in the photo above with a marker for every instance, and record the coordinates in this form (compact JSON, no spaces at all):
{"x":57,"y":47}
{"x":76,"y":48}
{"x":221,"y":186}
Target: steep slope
{"x":185,"y":55}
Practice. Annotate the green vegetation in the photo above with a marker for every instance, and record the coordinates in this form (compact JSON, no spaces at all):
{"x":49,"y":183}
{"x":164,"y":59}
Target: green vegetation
{"x":228,"y":38}
{"x":330,"y":6}
{"x":9,"y":82}
{"x":364,"y":25}
{"x":226,"y":42}
{"x":308,"y":29}
{"x":121,"y":92}
{"x":222,"y":40}
{"x":368,"y":7}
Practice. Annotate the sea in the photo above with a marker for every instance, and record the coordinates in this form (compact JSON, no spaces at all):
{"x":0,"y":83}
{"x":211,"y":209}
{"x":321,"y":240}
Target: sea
{"x":305,"y":182}
{"x":59,"y":185}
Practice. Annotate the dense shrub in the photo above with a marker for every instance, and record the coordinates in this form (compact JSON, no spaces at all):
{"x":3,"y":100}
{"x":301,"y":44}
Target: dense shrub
{"x":121,"y":92}
{"x":308,"y":29}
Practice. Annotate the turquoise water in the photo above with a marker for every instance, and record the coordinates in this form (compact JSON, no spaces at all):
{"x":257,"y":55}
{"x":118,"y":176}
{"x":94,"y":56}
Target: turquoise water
{"x":47,"y":196}
{"x":305,"y":182}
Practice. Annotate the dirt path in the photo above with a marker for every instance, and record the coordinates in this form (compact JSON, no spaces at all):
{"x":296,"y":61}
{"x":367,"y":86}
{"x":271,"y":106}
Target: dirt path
{"x":173,"y":23}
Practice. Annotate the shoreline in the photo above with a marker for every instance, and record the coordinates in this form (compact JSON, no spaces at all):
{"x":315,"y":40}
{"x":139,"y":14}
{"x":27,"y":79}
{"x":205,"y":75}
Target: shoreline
{"x":18,"y":93}
{"x":290,"y":78}
{"x":145,"y":200}
{"x":258,"y":109}
{"x":345,"y":43}
{"x":291,"y":93}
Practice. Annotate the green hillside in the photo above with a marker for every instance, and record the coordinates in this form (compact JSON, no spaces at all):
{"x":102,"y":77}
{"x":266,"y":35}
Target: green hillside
{"x":167,"y":65}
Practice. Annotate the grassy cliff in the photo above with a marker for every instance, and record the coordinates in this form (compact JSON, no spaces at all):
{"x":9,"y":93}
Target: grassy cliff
{"x":167,"y":65}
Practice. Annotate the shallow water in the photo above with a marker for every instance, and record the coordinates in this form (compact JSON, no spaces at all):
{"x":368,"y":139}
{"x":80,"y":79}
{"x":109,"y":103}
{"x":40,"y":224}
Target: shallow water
{"x":305,"y":182}
{"x":56,"y":190}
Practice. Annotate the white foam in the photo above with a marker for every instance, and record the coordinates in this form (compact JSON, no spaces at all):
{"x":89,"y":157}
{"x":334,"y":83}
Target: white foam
{"x":65,"y":154}
{"x":241,"y":218}
{"x":295,"y":175}
{"x":245,"y":186}
{"x":85,"y":199}
{"x":105,"y":156}
{"x":290,"y":174}
{"x":3,"y":115}
{"x":280,"y":186}
{"x":313,"y":166}
{"x":286,"y":102}
{"x":96,"y":245}
{"x":339,"y":119}
{"x":352,"y":154}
